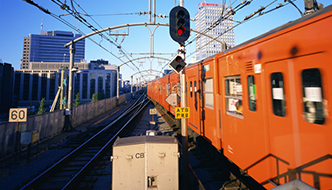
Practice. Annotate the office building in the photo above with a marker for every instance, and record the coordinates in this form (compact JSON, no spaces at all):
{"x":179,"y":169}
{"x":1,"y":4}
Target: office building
{"x":207,"y":15}
{"x":31,"y":85}
{"x":48,"y":46}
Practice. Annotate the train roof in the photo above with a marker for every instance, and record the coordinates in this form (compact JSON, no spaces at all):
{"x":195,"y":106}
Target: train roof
{"x":273,"y":31}
{"x":282,"y":27}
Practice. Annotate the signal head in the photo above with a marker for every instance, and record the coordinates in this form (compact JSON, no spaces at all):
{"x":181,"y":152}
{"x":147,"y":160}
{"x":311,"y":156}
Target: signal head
{"x":177,"y":63}
{"x":179,"y":24}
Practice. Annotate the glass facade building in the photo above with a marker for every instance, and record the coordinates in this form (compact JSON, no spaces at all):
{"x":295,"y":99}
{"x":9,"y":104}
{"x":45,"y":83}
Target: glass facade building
{"x":49,"y":47}
{"x":207,"y":15}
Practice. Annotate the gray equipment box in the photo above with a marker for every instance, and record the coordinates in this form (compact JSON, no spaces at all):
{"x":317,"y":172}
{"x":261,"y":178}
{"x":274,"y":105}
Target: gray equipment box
{"x":145,"y":162}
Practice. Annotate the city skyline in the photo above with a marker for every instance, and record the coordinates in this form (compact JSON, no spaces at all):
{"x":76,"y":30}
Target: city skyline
{"x":22,"y":19}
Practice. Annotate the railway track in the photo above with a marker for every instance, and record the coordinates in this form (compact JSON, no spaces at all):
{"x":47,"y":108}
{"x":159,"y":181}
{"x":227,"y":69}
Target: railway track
{"x":210,"y":169}
{"x":77,"y":169}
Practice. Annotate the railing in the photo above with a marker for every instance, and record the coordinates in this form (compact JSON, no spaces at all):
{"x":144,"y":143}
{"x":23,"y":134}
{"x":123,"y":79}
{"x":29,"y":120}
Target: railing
{"x":264,"y":158}
{"x":293,"y":174}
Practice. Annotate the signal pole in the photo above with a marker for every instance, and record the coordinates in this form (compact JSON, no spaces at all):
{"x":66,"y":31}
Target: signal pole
{"x":179,"y":29}
{"x":184,"y":129}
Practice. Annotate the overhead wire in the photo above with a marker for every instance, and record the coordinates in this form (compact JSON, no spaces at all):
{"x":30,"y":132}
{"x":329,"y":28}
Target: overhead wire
{"x":246,"y":19}
{"x":72,"y":11}
{"x":105,"y":37}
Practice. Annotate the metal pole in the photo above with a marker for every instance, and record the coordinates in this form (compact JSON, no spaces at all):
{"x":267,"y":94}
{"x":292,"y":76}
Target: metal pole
{"x":70,"y":83}
{"x":181,"y":3}
{"x":136,"y":84}
{"x":184,"y":129}
{"x":61,"y":89}
{"x":117,"y":85}
{"x":68,"y":126}
{"x":131,"y":85}
{"x":154,"y":11}
{"x":149,"y":11}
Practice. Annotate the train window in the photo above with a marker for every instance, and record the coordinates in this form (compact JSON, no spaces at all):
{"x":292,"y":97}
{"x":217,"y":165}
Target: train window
{"x":161,"y":89}
{"x":312,"y":96}
{"x":199,"y":89}
{"x":168,"y":89}
{"x":208,"y":93}
{"x":233,"y":88}
{"x":252,"y":93}
{"x":191,"y":89}
{"x":278,"y":95}
{"x":195,"y":89}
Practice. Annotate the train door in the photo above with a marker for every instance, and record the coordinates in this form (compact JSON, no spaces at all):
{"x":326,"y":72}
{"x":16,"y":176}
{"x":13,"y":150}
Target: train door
{"x":193,"y":103}
{"x":314,"y":127}
{"x":280,"y":95}
{"x":209,"y":104}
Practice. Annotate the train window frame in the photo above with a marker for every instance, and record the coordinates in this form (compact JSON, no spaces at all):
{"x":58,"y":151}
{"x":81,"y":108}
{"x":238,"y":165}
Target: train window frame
{"x":233,"y":96}
{"x":252,"y":99}
{"x":168,"y":89}
{"x":195,"y":89}
{"x":312,"y":96}
{"x":208,"y":92}
{"x":199,"y":89}
{"x":278,"y":94}
{"x":191,"y":89}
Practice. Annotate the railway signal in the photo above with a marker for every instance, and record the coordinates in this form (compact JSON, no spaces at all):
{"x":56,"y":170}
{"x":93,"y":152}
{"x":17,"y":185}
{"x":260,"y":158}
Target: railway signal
{"x":177,"y":63}
{"x":179,"y":24}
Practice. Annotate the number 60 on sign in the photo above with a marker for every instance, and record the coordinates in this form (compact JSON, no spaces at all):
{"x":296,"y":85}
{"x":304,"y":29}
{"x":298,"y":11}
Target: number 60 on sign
{"x":18,"y":115}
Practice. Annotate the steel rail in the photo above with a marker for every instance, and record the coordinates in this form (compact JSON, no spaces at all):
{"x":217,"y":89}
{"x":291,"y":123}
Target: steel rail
{"x":73,"y":153}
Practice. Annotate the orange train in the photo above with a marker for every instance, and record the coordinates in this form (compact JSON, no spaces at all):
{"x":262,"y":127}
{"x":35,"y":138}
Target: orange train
{"x":267,"y":102}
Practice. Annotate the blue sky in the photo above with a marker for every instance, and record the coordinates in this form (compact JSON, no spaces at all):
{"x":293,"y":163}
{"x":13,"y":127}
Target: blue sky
{"x":18,"y":19}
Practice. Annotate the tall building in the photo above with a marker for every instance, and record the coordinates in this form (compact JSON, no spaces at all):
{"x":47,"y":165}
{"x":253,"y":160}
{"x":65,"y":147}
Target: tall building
{"x":48,"y":46}
{"x":207,"y":15}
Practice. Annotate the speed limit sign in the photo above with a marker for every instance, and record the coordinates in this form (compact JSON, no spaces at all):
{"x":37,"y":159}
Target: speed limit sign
{"x":18,"y":115}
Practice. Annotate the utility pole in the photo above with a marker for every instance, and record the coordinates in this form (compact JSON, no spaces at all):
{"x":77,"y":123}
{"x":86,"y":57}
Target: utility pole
{"x":117,"y":84}
{"x":68,"y":114}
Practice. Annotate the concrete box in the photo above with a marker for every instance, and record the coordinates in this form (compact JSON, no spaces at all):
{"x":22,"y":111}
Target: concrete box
{"x":145,"y":162}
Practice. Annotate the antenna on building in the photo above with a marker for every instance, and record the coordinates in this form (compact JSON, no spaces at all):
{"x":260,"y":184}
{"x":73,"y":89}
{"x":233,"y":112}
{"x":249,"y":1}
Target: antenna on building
{"x":41,"y":27}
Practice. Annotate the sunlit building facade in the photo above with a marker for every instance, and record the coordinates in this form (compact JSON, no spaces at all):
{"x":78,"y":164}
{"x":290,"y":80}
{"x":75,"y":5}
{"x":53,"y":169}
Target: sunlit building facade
{"x":48,"y":46}
{"x":207,"y":15}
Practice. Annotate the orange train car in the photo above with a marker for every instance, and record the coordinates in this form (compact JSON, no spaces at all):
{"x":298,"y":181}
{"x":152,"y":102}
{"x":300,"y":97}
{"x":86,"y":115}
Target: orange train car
{"x":267,"y":102}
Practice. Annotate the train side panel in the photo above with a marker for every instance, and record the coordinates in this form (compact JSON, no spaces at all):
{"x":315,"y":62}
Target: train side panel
{"x":283,"y":79}
{"x":244,"y":135}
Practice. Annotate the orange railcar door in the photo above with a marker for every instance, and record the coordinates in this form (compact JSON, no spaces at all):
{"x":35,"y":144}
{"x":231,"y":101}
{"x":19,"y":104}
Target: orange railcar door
{"x":281,"y":115}
{"x":194,"y":119}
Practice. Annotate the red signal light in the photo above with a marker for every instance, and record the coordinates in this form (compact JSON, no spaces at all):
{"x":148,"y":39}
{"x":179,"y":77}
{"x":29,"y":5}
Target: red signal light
{"x":178,"y":59}
{"x":181,"y":30}
{"x":178,"y":68}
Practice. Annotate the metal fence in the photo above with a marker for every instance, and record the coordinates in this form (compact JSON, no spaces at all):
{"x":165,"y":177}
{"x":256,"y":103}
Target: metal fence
{"x":51,"y":123}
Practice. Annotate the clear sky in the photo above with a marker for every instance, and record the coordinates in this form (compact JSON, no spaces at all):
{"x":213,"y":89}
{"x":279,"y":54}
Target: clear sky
{"x":18,"y":19}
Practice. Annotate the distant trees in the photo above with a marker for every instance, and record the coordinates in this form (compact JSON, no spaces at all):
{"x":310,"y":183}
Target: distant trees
{"x":77,"y":99}
{"x":94,"y":97}
{"x":41,"y":107}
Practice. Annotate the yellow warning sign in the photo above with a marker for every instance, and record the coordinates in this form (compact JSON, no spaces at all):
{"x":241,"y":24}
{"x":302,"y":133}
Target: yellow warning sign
{"x":182,"y":112}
